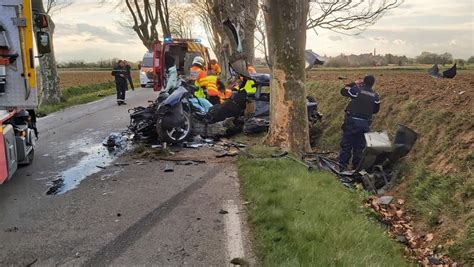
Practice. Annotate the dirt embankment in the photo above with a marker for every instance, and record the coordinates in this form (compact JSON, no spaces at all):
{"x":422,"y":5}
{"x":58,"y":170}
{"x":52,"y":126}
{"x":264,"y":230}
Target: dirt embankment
{"x":437,"y":180}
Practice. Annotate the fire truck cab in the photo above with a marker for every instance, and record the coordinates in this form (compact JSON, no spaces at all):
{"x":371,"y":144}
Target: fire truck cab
{"x":183,"y":51}
{"x":20,"y":25}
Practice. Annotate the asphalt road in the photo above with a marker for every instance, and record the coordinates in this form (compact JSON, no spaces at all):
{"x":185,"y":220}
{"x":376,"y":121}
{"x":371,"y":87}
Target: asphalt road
{"x":117,"y":209}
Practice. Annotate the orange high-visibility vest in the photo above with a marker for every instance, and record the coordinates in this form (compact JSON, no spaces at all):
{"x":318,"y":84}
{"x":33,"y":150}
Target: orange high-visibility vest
{"x":210,"y":82}
{"x":216,"y":69}
{"x":223,"y":96}
{"x":198,"y":75}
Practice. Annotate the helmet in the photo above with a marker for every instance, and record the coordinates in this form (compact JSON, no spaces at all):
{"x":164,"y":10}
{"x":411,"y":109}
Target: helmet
{"x":199,"y":61}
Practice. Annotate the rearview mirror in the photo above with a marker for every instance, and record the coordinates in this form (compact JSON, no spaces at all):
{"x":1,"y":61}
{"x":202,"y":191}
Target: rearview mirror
{"x":43,"y":42}
{"x":41,"y":21}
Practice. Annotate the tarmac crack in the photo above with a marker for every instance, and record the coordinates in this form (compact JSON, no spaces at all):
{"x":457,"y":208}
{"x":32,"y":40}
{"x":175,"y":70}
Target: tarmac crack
{"x":121,"y":243}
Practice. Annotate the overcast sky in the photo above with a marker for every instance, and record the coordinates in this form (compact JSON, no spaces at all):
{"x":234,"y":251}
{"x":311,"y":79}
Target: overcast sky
{"x":88,"y":31}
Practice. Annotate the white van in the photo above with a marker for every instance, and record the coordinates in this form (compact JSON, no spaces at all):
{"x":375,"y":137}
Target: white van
{"x":146,"y":70}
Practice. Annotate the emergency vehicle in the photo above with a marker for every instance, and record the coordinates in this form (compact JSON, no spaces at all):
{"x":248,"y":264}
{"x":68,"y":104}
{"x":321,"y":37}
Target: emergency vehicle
{"x":146,"y":70}
{"x":18,"y":87}
{"x":183,"y":51}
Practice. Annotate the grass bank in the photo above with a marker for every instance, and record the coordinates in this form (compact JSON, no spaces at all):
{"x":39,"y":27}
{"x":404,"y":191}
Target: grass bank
{"x":301,"y":218}
{"x":79,"y":95}
{"x":436,"y":178}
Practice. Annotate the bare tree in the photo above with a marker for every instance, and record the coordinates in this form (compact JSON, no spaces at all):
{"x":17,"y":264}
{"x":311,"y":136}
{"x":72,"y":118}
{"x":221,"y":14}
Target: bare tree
{"x":145,"y":17}
{"x":182,"y":17}
{"x":347,"y":15}
{"x":54,"y":6}
{"x":244,"y":15}
{"x":51,"y":91}
{"x":286,"y":32}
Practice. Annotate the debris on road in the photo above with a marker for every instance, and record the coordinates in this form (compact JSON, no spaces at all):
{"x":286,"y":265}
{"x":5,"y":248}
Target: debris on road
{"x":169,"y":168}
{"x":239,"y":261}
{"x":13,"y":229}
{"x":222,"y":211}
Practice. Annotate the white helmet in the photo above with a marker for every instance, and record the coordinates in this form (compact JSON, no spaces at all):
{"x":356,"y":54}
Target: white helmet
{"x":198,"y":60}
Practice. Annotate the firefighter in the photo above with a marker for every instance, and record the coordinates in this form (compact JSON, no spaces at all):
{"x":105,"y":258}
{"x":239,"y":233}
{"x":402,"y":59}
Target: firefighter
{"x":197,"y":74}
{"x":207,"y":85}
{"x":121,"y":81}
{"x":364,"y":102}
{"x":251,"y":70}
{"x":215,"y":68}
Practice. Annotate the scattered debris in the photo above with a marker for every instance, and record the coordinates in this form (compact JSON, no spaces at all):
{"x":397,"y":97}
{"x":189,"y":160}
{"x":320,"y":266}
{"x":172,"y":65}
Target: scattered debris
{"x":223,"y":211}
{"x":182,"y":160}
{"x":13,"y":229}
{"x":279,"y":154}
{"x":119,"y":214}
{"x":462,"y":92}
{"x":399,"y":225}
{"x":239,"y":261}
{"x":156,"y":146}
{"x":31,"y":263}
{"x":101,"y":167}
{"x":169,"y":168}
{"x":385,"y":200}
{"x":113,"y":140}
{"x":187,"y":162}
{"x":121,"y":164}
{"x":342,"y":77}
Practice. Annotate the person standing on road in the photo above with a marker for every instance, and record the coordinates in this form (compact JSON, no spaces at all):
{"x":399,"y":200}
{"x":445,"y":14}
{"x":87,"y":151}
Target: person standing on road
{"x":121,"y":79}
{"x":129,"y":74}
{"x":358,"y":116}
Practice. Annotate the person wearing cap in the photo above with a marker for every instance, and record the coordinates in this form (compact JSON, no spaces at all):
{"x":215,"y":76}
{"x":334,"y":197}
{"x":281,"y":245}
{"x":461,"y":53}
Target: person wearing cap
{"x":364,"y":102}
{"x":121,"y":81}
{"x":198,"y":74}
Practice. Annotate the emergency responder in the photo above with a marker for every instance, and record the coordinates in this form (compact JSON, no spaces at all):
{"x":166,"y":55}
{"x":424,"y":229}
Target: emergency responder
{"x":363,"y":104}
{"x":196,"y":74}
{"x":120,"y":74}
{"x":129,"y":74}
{"x":206,"y":84}
{"x":215,"y":68}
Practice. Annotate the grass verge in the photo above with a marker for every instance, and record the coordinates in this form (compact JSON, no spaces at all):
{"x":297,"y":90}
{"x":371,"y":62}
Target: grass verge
{"x":79,"y":95}
{"x":436,"y":177}
{"x":302,"y":218}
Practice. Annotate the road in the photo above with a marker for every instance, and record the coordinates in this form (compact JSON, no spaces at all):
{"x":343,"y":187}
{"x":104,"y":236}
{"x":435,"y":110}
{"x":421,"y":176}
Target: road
{"x":117,"y":209}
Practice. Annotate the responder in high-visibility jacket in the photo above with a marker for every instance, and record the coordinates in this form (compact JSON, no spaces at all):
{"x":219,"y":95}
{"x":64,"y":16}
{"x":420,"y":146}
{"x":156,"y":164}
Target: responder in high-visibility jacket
{"x":215,"y":68}
{"x":198,"y":74}
{"x":208,"y":82}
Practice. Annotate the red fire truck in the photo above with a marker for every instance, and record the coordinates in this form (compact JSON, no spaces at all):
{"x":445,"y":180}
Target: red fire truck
{"x":18,"y":87}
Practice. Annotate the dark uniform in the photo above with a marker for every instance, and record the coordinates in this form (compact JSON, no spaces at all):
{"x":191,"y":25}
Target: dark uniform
{"x":129,"y":75}
{"x":121,"y":81}
{"x":364,"y":103}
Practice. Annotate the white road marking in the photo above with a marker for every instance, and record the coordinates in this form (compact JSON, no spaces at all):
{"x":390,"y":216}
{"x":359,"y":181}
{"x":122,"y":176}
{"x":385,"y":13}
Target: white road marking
{"x":235,"y":244}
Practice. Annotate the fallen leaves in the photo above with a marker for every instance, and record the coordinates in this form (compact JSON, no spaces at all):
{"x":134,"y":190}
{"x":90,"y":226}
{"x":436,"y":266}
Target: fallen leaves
{"x":400,"y":228}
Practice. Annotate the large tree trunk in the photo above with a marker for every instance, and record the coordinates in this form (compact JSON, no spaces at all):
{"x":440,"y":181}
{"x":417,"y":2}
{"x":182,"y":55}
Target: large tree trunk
{"x":51,"y":93}
{"x":244,"y":15}
{"x":286,"y":32}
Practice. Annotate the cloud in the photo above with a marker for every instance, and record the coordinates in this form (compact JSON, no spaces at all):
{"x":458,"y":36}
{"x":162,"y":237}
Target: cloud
{"x":95,"y":33}
{"x":399,"y":42}
{"x":335,"y":38}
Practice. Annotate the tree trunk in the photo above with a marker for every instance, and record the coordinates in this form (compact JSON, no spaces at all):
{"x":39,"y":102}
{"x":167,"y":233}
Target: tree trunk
{"x":286,"y":32}
{"x":244,"y":15}
{"x":51,"y":93}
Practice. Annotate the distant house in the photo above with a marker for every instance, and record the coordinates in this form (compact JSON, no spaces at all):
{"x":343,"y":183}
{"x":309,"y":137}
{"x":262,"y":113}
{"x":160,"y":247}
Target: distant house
{"x":312,"y":59}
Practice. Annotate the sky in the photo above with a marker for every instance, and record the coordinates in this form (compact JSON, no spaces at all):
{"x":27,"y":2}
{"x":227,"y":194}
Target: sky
{"x":90,"y":32}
